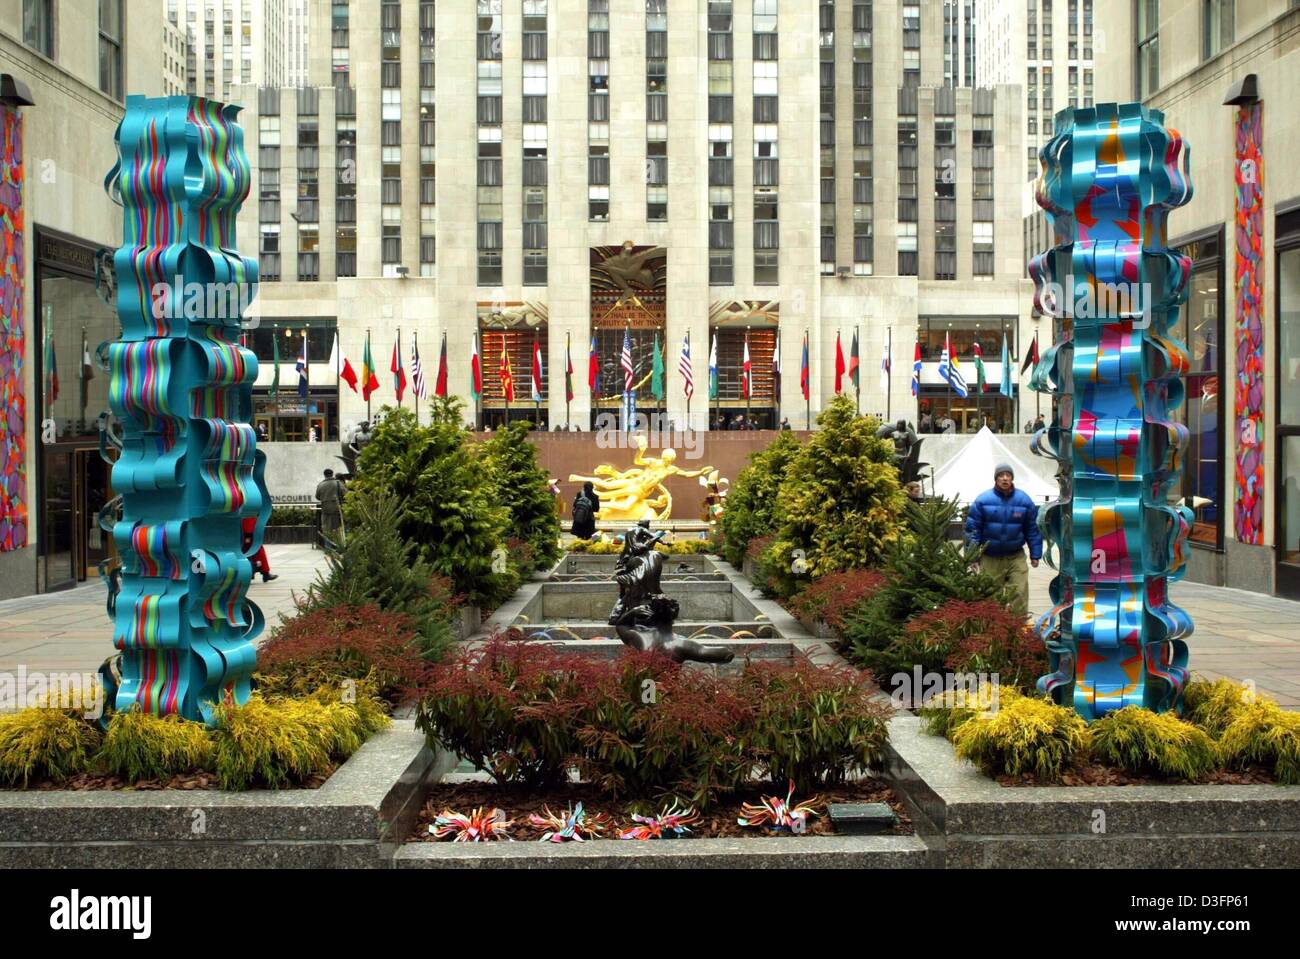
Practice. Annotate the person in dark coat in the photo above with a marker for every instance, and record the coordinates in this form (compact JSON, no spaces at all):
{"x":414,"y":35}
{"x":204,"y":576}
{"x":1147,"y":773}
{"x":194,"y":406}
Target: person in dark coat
{"x":1004,"y":520}
{"x":585,"y":507}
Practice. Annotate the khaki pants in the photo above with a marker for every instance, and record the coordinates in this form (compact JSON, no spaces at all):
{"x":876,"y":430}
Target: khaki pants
{"x":1012,"y":572}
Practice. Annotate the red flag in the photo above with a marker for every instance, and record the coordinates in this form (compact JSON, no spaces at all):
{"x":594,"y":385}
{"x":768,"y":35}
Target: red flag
{"x":747,"y":372}
{"x":476,"y":371}
{"x":1031,"y":358}
{"x":399,"y":374}
{"x":349,"y":375}
{"x":440,"y":385}
{"x":537,"y":371}
{"x":839,"y":364}
{"x":593,"y":369}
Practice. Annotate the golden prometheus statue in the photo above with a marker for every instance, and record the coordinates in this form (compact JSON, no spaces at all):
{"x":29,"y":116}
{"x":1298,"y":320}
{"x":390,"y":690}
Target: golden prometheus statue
{"x":639,"y":493}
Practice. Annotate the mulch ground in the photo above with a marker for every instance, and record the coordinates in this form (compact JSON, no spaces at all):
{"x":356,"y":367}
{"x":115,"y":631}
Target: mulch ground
{"x":1096,"y":774}
{"x":89,"y":782}
{"x":719,"y":822}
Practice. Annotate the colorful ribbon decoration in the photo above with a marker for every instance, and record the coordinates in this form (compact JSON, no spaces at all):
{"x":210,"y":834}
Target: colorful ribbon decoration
{"x":188,"y":469}
{"x":1109,"y":178}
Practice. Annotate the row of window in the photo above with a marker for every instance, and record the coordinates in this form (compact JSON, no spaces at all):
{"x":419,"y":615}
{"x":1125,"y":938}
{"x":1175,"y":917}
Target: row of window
{"x":38,"y":33}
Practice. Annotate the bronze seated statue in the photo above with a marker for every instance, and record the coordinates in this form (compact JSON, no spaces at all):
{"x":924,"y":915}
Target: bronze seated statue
{"x":643,"y":616}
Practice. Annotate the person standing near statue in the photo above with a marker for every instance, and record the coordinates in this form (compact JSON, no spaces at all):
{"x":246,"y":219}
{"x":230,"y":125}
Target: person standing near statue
{"x":329,"y":493}
{"x":1003,"y":520}
{"x":585,"y":507}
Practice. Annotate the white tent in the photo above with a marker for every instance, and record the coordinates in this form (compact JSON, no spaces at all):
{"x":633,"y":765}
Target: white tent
{"x":971,"y":472}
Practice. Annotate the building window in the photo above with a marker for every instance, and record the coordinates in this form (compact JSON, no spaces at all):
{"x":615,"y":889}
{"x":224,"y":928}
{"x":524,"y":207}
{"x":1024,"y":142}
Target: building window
{"x":38,"y":26}
{"x":1218,"y":26}
{"x":110,"y":48}
{"x":1148,"y":48}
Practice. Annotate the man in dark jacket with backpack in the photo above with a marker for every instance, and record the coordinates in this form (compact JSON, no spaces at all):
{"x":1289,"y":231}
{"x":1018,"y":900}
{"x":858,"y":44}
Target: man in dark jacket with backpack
{"x":1003,"y":520}
{"x":585,"y":507}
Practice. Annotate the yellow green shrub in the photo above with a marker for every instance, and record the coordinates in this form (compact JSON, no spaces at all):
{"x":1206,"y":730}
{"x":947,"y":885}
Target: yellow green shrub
{"x":1024,"y":735}
{"x":1139,"y":740}
{"x":1215,"y":705}
{"x":139,"y":745}
{"x":1265,"y":733}
{"x":944,"y":713}
{"x":278,"y":742}
{"x":44,"y":744}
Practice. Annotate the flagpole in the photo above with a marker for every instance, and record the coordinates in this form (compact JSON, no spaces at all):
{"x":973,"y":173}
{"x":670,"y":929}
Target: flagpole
{"x":537,"y":400}
{"x":415,"y":391}
{"x":478,"y":397}
{"x":889,"y":373}
{"x":338,"y":382}
{"x":688,"y":395}
{"x":568,"y":376}
{"x":369,"y":373}
{"x":747,"y":379}
{"x":85,"y":352}
{"x":275,"y":427}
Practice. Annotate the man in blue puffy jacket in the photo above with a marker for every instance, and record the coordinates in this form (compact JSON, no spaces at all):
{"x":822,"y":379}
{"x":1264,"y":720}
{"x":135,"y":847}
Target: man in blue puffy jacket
{"x":1003,"y":520}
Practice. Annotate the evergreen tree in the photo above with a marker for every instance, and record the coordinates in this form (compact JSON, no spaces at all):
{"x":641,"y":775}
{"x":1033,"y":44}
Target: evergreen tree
{"x":525,"y":490}
{"x":447,"y":500}
{"x":840,"y":502}
{"x":924,"y":569}
{"x":377,"y":566}
{"x":751,"y":504}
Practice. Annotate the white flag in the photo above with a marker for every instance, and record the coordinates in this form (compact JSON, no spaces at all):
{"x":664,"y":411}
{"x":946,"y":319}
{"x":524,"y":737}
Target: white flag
{"x":885,"y":361}
{"x":334,"y":354}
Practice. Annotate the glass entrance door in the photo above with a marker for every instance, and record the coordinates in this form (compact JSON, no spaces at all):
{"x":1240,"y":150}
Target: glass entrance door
{"x":58,"y":539}
{"x":1287,"y":483}
{"x":1288,"y":525}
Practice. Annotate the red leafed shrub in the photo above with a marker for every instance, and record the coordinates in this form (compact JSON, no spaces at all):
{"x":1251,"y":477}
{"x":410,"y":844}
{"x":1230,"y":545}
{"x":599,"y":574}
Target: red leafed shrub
{"x":443,"y":591}
{"x":982,"y":636}
{"x":757,"y":547}
{"x":329,"y":645}
{"x":831,"y":596}
{"x":643,"y":728}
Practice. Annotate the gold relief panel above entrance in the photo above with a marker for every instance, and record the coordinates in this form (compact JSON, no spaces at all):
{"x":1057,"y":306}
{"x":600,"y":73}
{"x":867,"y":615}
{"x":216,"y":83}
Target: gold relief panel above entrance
{"x":629,"y":287}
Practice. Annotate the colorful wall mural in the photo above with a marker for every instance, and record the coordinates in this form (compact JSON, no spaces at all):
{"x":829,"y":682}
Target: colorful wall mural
{"x":1249,"y":287}
{"x":13,"y":408}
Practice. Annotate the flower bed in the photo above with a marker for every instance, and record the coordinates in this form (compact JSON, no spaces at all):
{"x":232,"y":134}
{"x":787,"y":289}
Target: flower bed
{"x":519,"y":802}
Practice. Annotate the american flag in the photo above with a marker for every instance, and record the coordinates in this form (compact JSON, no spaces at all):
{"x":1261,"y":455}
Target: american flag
{"x":626,"y":362}
{"x":684,"y":366}
{"x":419,"y":386}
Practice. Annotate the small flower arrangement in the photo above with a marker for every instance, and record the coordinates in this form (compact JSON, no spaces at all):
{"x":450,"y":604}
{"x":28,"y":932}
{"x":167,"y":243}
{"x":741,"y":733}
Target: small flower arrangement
{"x":574,"y":825}
{"x":476,"y":827}
{"x":779,"y":815}
{"x":672,"y":822}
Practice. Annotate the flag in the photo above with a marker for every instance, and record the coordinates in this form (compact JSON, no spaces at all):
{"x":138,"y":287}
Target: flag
{"x":746,"y":373}
{"x":980,"y":380}
{"x":1005,"y":387}
{"x":657,"y":373}
{"x":804,"y":384}
{"x":398,"y":371}
{"x":713,"y":368}
{"x":51,"y":369}
{"x":507,"y":378}
{"x":88,"y":368}
{"x":593,"y":370}
{"x":1031,"y":358}
{"x":684,"y":367}
{"x":625,"y":361}
{"x":886,"y":367}
{"x":568,"y":372}
{"x":839,"y":364}
{"x":776,"y":368}
{"x":369,"y":381}
{"x":950,"y":369}
{"x":475,"y":369}
{"x":854,"y":360}
{"x":537,"y":370}
{"x":301,"y":367}
{"x":440,"y":384}
{"x":419,"y":384}
{"x":275,"y":361}
{"x":916,"y":371}
{"x":347,"y":374}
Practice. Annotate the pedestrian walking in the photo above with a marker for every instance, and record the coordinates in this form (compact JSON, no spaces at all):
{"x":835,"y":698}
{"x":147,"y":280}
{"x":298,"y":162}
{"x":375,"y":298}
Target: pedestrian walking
{"x":1004,"y":520}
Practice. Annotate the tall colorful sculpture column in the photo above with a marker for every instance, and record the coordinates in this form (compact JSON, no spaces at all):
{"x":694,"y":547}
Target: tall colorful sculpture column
{"x":1110,"y":177}
{"x":181,"y":385}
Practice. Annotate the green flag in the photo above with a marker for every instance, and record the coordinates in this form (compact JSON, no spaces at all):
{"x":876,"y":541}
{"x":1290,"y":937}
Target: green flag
{"x":275,"y":360}
{"x":657,"y":373}
{"x":979,"y":367}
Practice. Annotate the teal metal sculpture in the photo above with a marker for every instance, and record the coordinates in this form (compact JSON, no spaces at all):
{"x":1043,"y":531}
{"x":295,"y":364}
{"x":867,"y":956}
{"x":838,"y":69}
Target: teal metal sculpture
{"x":1109,"y":178}
{"x":188,"y":469}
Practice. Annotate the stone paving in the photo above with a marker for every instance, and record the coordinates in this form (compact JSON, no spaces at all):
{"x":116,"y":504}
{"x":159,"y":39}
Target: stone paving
{"x":1241,"y":635}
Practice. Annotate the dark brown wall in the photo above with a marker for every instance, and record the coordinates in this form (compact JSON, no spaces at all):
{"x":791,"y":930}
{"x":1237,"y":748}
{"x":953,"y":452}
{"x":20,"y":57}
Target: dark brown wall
{"x":562,"y":454}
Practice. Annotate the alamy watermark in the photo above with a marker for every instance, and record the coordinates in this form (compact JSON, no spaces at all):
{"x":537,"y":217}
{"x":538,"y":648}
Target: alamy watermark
{"x":24,"y":689}
{"x":654,"y":430}
{"x":947,"y":689}
{"x":1080,"y":299}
